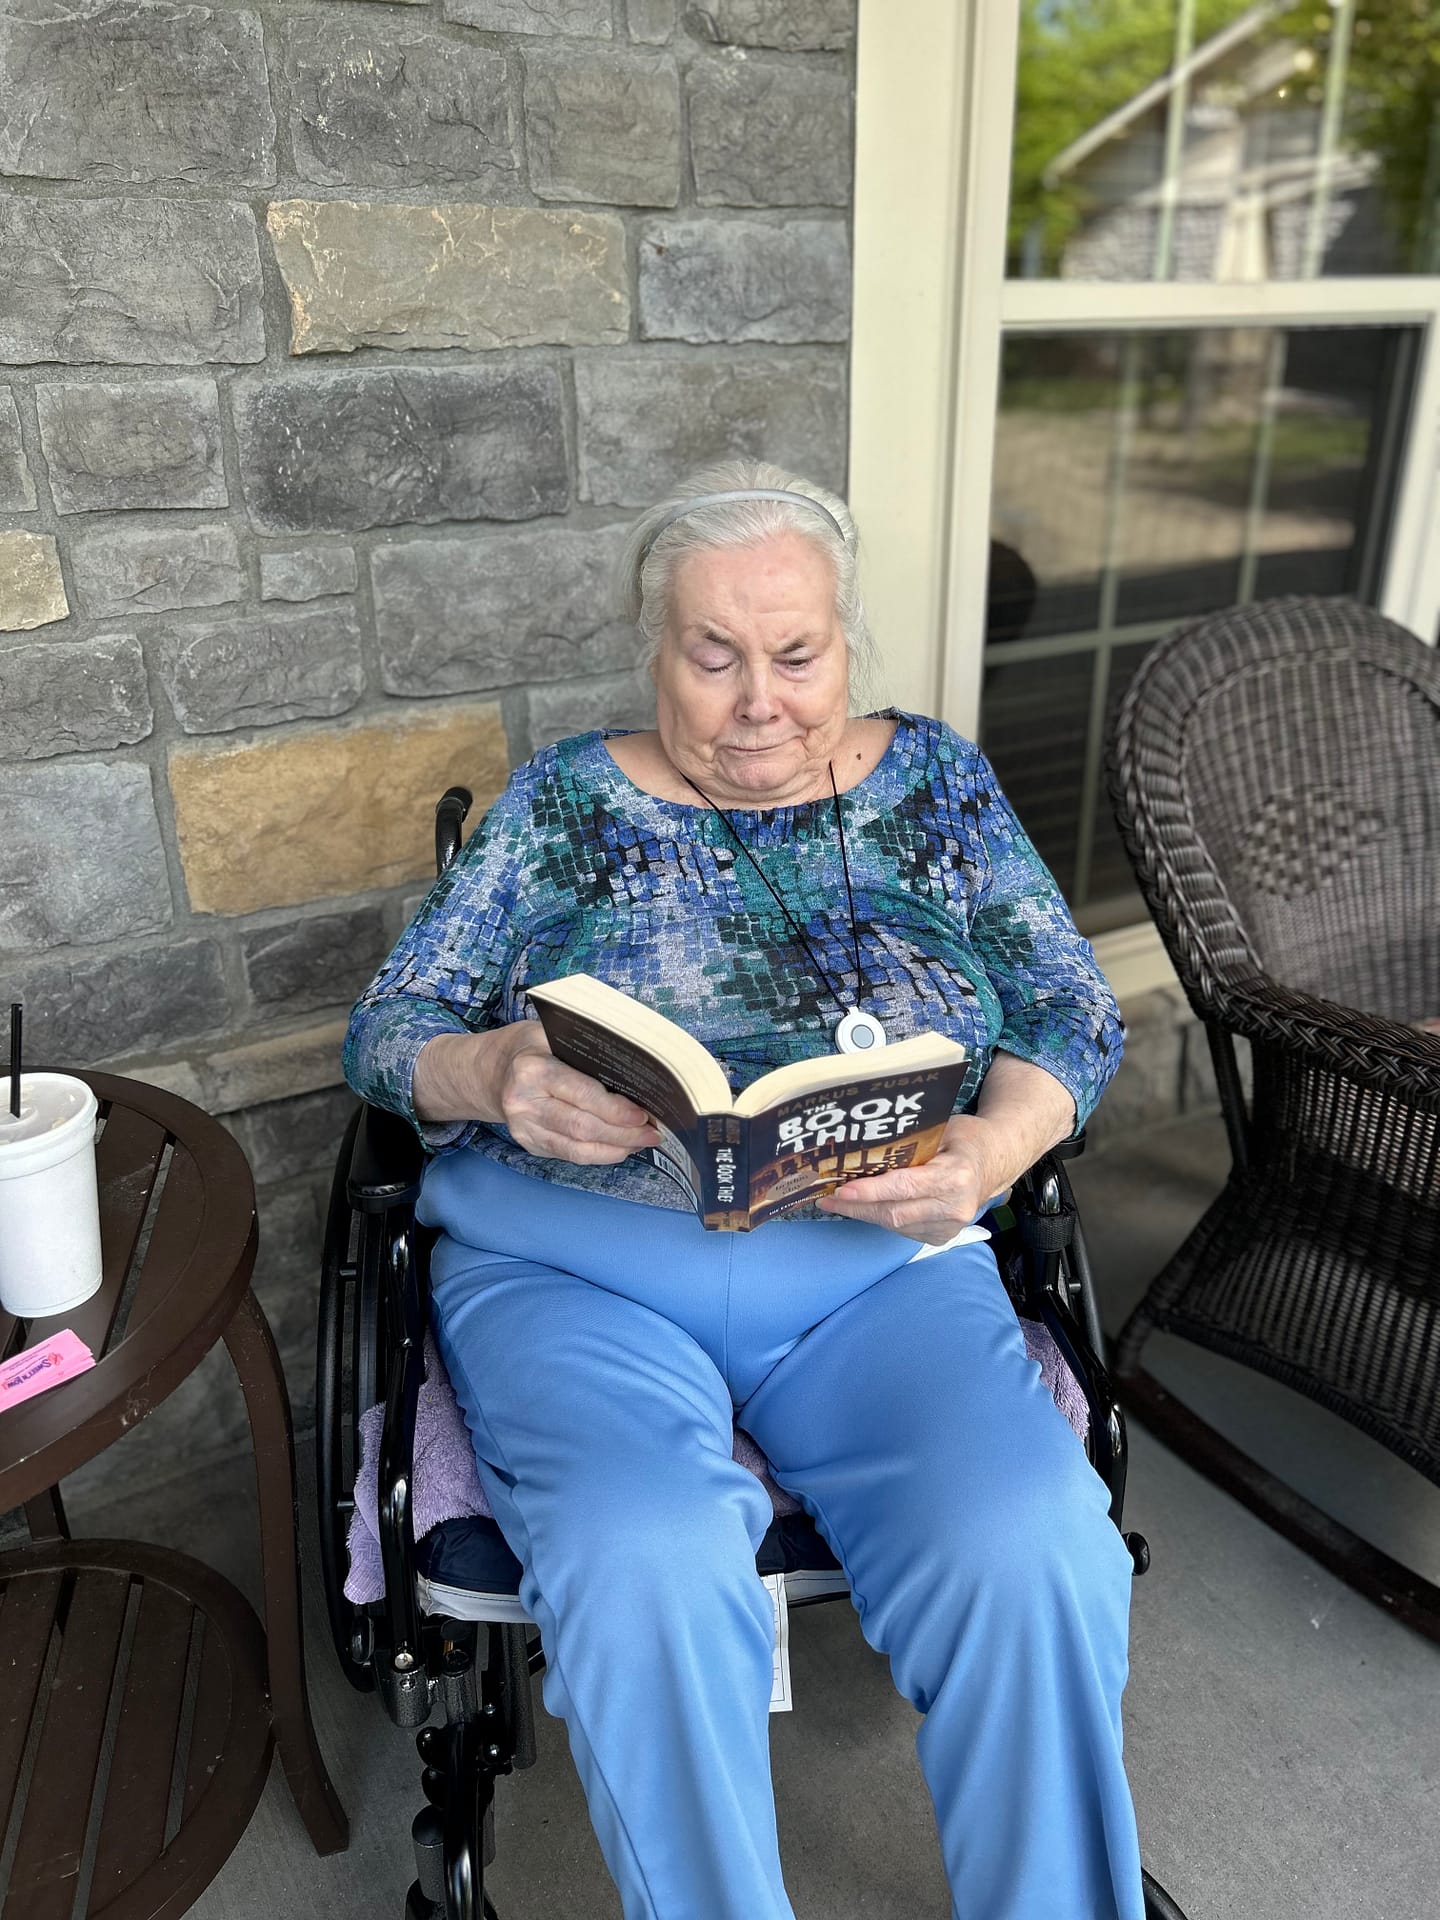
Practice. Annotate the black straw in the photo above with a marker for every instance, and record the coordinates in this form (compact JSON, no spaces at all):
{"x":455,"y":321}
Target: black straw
{"x":17,"y":1019}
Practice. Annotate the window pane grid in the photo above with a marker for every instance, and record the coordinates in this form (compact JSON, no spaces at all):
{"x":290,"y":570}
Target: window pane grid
{"x":1215,"y":140}
{"x":1146,"y":477}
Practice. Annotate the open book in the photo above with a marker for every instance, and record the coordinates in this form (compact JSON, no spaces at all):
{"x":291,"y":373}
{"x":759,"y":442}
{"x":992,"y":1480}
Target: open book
{"x":795,"y":1134}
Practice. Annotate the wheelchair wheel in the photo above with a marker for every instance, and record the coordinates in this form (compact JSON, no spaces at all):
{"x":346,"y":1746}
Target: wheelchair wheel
{"x":349,"y":1366}
{"x":1158,"y":1904}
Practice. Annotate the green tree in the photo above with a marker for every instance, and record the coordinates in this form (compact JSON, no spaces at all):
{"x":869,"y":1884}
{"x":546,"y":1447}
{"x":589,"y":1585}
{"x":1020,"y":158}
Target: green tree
{"x":1080,"y":61}
{"x":1392,"y":109}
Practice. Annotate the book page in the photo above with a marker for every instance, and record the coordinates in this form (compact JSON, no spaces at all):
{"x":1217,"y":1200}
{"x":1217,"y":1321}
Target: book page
{"x":836,"y":1070}
{"x":618,"y":1063}
{"x":643,"y":1032}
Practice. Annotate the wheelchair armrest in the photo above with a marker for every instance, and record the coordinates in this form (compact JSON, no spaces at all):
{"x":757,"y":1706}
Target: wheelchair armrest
{"x":1056,"y":1263}
{"x":386,"y":1163}
{"x":1070,"y":1148}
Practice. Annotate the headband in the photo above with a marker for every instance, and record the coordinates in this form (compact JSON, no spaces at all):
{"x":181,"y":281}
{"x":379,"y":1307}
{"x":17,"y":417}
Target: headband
{"x":743,"y":493}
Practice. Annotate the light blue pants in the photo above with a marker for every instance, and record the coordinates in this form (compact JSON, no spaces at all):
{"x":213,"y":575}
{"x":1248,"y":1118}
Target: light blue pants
{"x":601,"y":1350}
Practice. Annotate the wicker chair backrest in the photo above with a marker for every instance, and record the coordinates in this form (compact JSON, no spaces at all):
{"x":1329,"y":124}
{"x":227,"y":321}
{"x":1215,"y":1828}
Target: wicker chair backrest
{"x":1275,"y":771}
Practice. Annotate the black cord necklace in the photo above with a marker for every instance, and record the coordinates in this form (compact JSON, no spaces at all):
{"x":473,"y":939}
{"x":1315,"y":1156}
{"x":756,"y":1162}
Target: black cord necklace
{"x":857,"y":1032}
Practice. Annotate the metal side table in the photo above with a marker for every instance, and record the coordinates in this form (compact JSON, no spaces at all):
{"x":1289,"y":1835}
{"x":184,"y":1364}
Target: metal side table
{"x":139,"y":1694}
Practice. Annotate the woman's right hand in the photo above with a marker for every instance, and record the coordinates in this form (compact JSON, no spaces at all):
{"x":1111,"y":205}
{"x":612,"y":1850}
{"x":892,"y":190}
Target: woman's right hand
{"x":509,"y":1077}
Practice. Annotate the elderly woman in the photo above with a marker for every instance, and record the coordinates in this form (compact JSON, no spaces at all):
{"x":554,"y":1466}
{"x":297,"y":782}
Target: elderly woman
{"x":764,"y":867}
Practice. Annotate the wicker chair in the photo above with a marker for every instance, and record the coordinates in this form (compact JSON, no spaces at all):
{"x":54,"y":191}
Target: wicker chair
{"x":1275,"y":773}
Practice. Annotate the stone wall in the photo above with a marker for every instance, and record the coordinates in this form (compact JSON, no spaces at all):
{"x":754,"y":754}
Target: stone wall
{"x":338,"y":343}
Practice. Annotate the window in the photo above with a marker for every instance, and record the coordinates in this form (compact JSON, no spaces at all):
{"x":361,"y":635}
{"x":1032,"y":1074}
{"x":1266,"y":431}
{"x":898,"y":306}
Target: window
{"x":1145,"y":473}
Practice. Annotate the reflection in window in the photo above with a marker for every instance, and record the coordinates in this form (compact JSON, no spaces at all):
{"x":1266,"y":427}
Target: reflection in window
{"x":1211,"y":140}
{"x":1143,"y":478}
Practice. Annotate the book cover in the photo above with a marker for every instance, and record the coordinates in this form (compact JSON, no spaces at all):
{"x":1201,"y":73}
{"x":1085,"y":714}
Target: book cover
{"x":810,"y":1145}
{"x":792,"y":1136}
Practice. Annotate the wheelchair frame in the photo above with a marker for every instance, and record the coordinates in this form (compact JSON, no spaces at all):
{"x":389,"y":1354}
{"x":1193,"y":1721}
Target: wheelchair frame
{"x":374,"y":1309}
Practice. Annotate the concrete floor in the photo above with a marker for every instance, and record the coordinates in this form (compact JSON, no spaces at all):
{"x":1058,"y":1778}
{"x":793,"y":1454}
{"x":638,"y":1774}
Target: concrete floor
{"x":1283,"y":1736}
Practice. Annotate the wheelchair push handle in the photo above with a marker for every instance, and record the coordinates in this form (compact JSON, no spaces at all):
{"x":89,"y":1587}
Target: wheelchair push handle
{"x":450,"y":812}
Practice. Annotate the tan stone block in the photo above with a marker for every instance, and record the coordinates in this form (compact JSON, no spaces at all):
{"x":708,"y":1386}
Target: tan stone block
{"x":326,"y":813}
{"x":32,"y":593}
{"x":367,"y":274}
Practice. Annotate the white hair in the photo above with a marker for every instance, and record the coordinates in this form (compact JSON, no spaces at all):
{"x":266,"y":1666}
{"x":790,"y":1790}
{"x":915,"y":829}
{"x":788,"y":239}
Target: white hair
{"x":650,"y":558}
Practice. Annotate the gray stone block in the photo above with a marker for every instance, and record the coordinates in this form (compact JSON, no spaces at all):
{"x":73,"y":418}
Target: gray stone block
{"x":80,"y":858}
{"x":132,"y":443}
{"x":449,"y":276}
{"x":17,"y":489}
{"x":795,"y":26}
{"x":707,"y":280}
{"x":652,"y":21}
{"x":314,"y":963}
{"x":308,"y":573}
{"x":646,"y":420}
{"x":138,"y":282}
{"x":287,"y":1267}
{"x":72,"y":697}
{"x":264,"y":670}
{"x":592,"y":17}
{"x":493,"y":610}
{"x":380,"y":449}
{"x":105,"y":90}
{"x":606,"y":130}
{"x":277,"y":1067}
{"x":625,"y":700}
{"x":380,"y":102}
{"x":171,"y":1076}
{"x":200,"y":1425}
{"x":769,"y":136}
{"x":81,"y":1012}
{"x":121,"y":570}
{"x":291,"y":1137}
{"x":287,"y":1284}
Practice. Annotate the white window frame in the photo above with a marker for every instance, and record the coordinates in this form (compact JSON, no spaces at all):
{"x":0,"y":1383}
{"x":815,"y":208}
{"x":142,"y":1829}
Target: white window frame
{"x":934,"y":130}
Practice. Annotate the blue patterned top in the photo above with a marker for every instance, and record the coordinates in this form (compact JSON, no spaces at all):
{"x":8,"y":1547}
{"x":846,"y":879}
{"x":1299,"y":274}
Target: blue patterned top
{"x":575,"y":869}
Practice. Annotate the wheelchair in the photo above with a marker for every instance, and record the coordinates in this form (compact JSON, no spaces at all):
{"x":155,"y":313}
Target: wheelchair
{"x":450,"y":1633}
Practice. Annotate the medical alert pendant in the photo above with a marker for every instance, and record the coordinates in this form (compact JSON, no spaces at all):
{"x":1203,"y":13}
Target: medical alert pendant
{"x":859,"y":1032}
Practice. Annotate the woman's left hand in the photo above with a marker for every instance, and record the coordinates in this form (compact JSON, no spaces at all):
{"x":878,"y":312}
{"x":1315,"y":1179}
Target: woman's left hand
{"x":1022,"y":1111}
{"x":929,"y":1203}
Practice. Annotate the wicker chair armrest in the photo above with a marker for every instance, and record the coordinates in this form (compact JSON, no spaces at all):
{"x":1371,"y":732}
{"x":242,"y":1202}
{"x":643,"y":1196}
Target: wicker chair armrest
{"x":1362,"y":1047}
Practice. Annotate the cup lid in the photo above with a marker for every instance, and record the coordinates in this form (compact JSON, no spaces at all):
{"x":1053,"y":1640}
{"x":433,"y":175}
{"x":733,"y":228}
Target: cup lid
{"x":47,"y":1101}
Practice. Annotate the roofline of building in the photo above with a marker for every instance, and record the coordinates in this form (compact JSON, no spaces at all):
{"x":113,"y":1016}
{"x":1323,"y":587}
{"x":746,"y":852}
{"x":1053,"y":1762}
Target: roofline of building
{"x":1159,"y":90}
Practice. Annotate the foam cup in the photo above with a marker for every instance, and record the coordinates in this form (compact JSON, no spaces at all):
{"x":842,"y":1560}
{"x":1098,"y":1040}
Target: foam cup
{"x":49,"y":1206}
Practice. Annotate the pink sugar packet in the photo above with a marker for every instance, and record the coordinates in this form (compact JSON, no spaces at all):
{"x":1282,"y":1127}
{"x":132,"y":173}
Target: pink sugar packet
{"x":59,"y":1358}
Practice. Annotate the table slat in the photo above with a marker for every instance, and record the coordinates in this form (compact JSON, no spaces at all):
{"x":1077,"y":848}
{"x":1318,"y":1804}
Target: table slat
{"x":57,"y":1807}
{"x":27,"y":1613}
{"x":126,"y":1162}
{"x":132,"y":1827}
{"x":211,"y":1723}
{"x":179,"y":1222}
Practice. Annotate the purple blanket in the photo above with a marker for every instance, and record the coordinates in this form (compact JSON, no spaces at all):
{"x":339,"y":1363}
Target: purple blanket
{"x":447,"y":1487}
